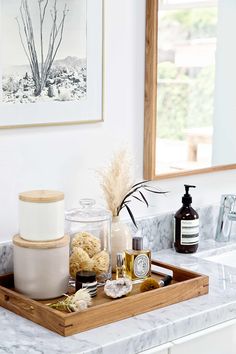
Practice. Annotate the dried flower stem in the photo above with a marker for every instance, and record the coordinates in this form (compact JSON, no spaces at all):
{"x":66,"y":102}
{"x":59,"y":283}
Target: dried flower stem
{"x":136,"y":193}
{"x":73,"y":303}
{"x":118,"y":188}
{"x":116,"y":180}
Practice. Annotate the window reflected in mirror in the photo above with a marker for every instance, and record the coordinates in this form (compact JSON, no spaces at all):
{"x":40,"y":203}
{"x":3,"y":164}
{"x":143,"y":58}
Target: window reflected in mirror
{"x":187,"y":40}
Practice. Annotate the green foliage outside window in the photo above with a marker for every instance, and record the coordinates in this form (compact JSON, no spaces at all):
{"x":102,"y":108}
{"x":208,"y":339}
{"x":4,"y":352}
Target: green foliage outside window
{"x":185,"y":95}
{"x":183,"y":102}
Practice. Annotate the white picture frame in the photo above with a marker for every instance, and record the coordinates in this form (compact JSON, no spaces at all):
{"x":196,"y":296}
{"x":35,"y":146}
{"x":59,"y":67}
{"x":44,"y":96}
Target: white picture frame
{"x":87,"y":110}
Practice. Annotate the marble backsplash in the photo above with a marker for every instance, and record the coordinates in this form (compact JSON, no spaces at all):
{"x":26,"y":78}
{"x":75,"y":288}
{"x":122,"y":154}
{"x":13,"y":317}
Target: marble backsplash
{"x":157,"y":232}
{"x":6,"y":257}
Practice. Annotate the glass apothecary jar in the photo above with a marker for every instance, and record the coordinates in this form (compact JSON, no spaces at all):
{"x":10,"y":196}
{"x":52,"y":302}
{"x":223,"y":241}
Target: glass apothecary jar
{"x":89,"y":227}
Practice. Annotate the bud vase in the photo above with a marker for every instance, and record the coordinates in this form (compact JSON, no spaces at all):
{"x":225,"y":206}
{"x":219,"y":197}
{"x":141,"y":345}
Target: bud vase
{"x":121,"y":239}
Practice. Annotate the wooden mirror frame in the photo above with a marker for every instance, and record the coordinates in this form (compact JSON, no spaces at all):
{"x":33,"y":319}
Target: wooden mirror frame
{"x":150,"y":103}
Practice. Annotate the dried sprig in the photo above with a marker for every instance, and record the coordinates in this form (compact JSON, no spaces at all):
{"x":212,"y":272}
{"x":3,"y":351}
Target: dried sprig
{"x":118,"y":188}
{"x":116,"y":180}
{"x":137,"y":193}
{"x":74,"y":303}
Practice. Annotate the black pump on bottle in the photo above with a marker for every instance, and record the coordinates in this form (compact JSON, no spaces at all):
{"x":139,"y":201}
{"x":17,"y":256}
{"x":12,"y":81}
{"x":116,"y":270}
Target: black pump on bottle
{"x":187,"y":198}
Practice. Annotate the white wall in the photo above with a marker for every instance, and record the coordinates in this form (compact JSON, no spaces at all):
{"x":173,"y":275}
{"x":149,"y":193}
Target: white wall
{"x":224,"y":151}
{"x":64,"y":158}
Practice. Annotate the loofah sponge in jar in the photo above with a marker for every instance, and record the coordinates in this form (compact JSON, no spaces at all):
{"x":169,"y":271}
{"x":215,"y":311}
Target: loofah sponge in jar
{"x":101,"y":262}
{"x":79,"y":260}
{"x":89,"y":243}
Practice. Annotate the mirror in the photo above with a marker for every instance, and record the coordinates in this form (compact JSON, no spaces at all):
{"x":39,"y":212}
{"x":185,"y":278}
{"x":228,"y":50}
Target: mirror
{"x":190,"y":113}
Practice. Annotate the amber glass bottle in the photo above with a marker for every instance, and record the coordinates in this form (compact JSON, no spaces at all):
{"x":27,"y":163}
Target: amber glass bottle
{"x":186,"y":229}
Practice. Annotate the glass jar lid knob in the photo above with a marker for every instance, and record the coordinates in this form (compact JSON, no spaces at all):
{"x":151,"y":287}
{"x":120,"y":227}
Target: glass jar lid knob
{"x":87,"y":202}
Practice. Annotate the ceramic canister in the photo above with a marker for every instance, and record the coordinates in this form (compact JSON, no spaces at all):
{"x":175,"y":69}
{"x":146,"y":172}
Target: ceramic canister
{"x":41,"y":215}
{"x":41,"y":269}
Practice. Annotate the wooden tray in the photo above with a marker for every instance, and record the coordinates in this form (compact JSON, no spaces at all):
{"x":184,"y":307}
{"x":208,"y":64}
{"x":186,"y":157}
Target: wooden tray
{"x":185,"y":285}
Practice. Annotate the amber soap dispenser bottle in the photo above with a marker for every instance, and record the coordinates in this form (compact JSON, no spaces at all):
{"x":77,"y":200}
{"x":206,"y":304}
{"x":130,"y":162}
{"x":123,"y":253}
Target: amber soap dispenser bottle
{"x":186,"y":228}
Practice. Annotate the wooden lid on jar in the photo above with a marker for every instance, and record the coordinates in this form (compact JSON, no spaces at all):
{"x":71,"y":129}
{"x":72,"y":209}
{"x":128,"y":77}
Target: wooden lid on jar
{"x":61,"y":242}
{"x":41,"y":196}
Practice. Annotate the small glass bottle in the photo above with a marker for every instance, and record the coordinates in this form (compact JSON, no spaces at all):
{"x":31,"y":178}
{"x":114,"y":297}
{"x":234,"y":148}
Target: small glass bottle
{"x":137,"y":261}
{"x":120,"y":269}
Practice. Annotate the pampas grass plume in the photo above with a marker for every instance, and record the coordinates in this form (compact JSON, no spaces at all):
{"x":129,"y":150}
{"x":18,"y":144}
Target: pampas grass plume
{"x":116,"y":180}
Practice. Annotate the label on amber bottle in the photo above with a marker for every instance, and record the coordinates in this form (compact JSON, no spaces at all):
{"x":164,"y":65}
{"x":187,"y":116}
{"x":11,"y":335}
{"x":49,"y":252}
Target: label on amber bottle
{"x":189,"y":232}
{"x":141,"y":265}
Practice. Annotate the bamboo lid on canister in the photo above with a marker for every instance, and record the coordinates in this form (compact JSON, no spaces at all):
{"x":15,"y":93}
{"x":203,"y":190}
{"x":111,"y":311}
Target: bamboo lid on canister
{"x":18,"y":241}
{"x":41,"y":196}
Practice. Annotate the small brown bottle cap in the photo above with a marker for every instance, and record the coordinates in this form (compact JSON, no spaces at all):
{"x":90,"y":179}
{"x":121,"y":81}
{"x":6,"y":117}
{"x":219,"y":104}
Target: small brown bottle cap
{"x":137,"y":243}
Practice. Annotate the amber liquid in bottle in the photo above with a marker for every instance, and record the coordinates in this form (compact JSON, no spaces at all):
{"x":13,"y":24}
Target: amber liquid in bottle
{"x":120,"y":267}
{"x":186,"y":232}
{"x":185,"y":218}
{"x":137,"y":261}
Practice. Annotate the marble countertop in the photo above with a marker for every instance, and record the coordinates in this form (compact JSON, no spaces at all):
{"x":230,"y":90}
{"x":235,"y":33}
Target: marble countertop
{"x":20,"y":336}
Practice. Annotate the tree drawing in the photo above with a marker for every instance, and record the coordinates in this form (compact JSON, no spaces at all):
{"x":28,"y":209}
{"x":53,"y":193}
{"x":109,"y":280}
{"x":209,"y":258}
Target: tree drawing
{"x":41,"y":61}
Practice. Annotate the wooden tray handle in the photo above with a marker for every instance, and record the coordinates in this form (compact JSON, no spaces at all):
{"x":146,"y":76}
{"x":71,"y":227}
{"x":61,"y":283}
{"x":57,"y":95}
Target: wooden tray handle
{"x":12,"y":300}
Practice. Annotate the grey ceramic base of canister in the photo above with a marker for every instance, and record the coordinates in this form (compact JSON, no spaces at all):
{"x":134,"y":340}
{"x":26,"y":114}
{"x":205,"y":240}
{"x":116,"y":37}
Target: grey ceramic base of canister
{"x":41,"y":273}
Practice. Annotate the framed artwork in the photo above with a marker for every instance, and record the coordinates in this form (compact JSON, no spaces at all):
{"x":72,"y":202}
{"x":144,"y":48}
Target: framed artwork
{"x":51,"y":62}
